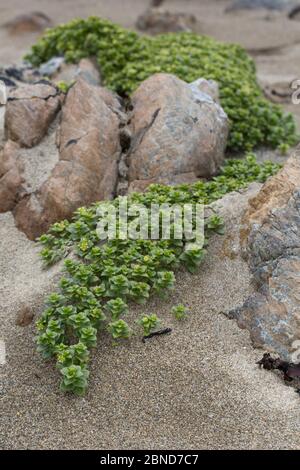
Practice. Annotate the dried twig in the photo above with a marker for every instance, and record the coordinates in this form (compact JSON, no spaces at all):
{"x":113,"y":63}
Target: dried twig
{"x":157,"y":333}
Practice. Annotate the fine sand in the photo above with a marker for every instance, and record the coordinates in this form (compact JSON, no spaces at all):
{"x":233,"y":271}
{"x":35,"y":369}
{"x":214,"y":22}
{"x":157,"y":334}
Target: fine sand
{"x":198,"y":387}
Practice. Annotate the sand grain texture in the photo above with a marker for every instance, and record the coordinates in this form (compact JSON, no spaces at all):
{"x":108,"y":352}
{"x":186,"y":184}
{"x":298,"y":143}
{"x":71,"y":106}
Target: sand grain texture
{"x":198,"y":387}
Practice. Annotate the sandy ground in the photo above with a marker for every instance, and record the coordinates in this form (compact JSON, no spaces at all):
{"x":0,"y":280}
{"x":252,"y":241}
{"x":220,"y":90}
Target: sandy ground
{"x":196,"y":388}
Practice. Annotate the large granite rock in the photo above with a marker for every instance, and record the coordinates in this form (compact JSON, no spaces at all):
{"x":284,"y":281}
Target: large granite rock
{"x":30,"y":109}
{"x":176,"y":130}
{"x":172,"y":132}
{"x":89,"y":150}
{"x":270,"y":237}
{"x":11,"y":179}
{"x":59,"y":71}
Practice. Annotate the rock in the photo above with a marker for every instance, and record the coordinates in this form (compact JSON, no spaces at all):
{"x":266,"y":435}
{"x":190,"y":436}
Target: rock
{"x":89,"y":71}
{"x":4,"y":82}
{"x":25,"y":316}
{"x":51,"y":67}
{"x":254,"y":4}
{"x":29,"y":112}
{"x":59,"y":71}
{"x":210,"y":87}
{"x":14,"y":72}
{"x":275,"y":193}
{"x":176,"y":130}
{"x":28,"y":23}
{"x":294,"y":14}
{"x":158,"y":20}
{"x":23,"y":170}
{"x":10,"y":177}
{"x":89,"y":150}
{"x":271,"y":243}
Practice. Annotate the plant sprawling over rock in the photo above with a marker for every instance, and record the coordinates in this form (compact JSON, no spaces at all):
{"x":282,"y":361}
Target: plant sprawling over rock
{"x":97,"y":286}
{"x":126,"y":59}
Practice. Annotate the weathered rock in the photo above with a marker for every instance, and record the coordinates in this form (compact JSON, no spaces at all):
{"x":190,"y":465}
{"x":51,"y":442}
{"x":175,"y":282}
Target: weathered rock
{"x":29,"y":112}
{"x":27,"y":23}
{"x":176,"y":130}
{"x":271,"y":241}
{"x":59,"y":71}
{"x":210,"y":87}
{"x":89,"y":71}
{"x":18,"y":75}
{"x":51,"y":67}
{"x":11,"y":179}
{"x":275,"y":193}
{"x":268,"y":4}
{"x":89,"y":148}
{"x":158,"y":20}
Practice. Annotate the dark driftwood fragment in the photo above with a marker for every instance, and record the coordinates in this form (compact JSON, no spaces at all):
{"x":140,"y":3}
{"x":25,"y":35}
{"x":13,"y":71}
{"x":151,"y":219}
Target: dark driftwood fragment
{"x":289,"y":369}
{"x":165,"y":331}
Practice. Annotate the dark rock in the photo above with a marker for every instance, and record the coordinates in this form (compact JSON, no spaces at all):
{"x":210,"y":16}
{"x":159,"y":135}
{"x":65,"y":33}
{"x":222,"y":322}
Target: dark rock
{"x":7,"y":81}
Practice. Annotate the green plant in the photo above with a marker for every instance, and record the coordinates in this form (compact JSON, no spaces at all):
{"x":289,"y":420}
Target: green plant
{"x":284,"y":148}
{"x":192,"y":256}
{"x":139,"y":291}
{"x":119,"y":329}
{"x":118,"y":286}
{"x":164,"y":281}
{"x":94,"y":290}
{"x":179,"y":311}
{"x":77,"y":354}
{"x":149,"y":323}
{"x":116,"y":308}
{"x":64,"y":86}
{"x":126,"y":59}
{"x":74,"y":379}
{"x":215,"y":224}
{"x":88,"y":336}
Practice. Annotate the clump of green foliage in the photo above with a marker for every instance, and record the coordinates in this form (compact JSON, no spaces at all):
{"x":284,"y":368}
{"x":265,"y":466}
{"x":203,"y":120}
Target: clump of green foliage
{"x":149,"y":323}
{"x":94,"y":293}
{"x":64,"y":86}
{"x":179,"y":311}
{"x":126,"y":59}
